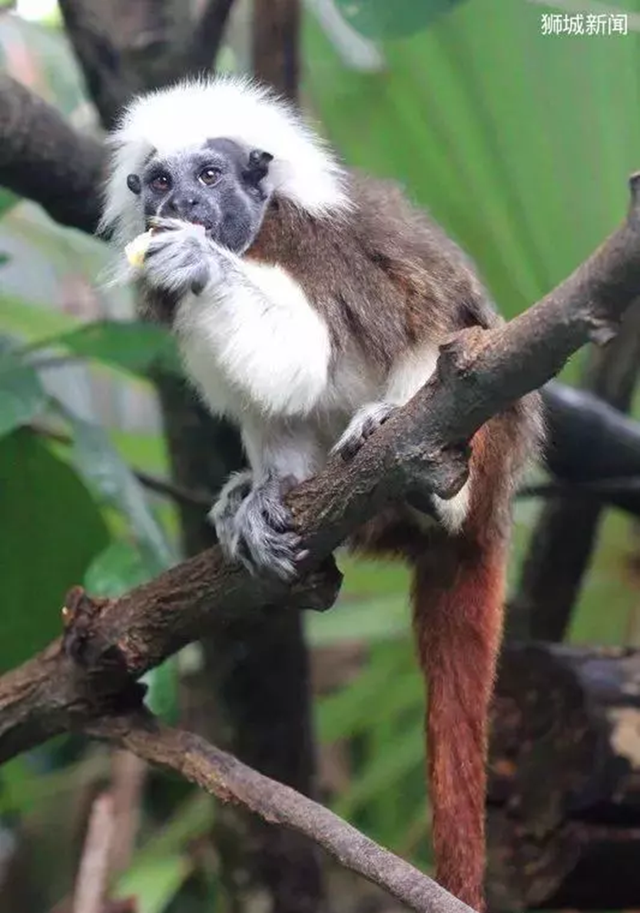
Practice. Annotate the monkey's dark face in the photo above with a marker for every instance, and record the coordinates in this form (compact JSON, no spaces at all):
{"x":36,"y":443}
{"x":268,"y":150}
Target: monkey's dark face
{"x":219,"y":186}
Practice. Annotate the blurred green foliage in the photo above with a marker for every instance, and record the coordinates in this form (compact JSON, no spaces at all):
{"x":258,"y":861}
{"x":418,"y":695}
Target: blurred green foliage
{"x":519,"y":144}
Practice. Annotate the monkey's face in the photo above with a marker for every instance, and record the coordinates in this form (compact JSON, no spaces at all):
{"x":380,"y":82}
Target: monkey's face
{"x":220,"y":186}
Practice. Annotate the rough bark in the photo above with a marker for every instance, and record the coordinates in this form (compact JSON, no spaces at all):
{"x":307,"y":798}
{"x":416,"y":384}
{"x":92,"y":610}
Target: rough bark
{"x":564,"y":796}
{"x":233,"y":782}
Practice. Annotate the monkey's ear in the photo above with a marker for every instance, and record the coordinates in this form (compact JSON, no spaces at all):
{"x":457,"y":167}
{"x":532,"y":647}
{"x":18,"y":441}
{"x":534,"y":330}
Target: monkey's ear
{"x":258,"y":166}
{"x":134,"y":184}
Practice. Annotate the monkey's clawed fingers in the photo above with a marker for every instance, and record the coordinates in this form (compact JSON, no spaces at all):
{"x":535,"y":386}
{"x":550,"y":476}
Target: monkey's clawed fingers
{"x":256,"y":528}
{"x":179,"y":260}
{"x":363,"y":424}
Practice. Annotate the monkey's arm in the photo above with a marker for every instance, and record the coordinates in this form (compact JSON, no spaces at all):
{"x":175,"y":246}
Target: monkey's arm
{"x":250,"y":320}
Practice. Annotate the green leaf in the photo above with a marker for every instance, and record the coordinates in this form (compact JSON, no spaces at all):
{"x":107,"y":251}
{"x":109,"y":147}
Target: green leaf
{"x":104,"y":470}
{"x":54,"y":74}
{"x":31,"y":321}
{"x":155,"y":883}
{"x":387,"y":770}
{"x":116,"y":570}
{"x":393,"y":18}
{"x":7,"y":201}
{"x":162,"y":696}
{"x":475,"y":136}
{"x":22,"y":396}
{"x":51,"y":530}
{"x":192,"y":819}
{"x":133,"y":345}
{"x":352,"y":709}
{"x":25,"y":786}
{"x":161,"y":866}
{"x":364,"y":620}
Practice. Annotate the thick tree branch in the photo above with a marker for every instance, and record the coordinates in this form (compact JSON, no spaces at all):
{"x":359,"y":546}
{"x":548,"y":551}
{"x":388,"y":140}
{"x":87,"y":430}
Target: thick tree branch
{"x":45,"y":160}
{"x":232,"y":781}
{"x":421,"y":445}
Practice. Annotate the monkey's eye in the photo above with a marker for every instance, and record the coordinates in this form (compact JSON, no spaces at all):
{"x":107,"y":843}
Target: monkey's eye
{"x":210,"y":176}
{"x":160,"y":182}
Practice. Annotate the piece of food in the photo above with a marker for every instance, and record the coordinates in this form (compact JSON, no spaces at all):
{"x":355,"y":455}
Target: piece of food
{"x":136,"y":250}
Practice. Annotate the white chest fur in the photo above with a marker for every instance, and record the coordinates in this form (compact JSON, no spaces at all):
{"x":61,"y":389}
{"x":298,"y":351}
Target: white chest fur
{"x":253,"y":342}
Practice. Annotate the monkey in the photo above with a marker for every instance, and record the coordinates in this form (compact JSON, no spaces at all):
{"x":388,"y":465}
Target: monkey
{"x":310,"y":302}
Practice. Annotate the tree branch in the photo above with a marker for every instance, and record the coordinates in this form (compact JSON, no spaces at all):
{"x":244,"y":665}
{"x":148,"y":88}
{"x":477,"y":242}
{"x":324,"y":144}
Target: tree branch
{"x":208,"y":34}
{"x":93,"y":875}
{"x":45,"y":160}
{"x":232,"y":781}
{"x":547,"y":592}
{"x":275,"y":46}
{"x":126,"y":47}
{"x":478,"y":375}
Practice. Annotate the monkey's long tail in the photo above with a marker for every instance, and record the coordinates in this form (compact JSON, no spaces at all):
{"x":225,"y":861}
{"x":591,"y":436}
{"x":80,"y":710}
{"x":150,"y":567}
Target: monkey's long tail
{"x":458,"y":606}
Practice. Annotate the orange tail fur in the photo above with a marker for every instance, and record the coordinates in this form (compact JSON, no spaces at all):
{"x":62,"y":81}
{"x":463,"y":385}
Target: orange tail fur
{"x":458,"y":605}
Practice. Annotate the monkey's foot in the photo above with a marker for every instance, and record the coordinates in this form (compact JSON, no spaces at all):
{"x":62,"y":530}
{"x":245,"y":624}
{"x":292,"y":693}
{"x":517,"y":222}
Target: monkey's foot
{"x":364,"y":423}
{"x":255,"y":527}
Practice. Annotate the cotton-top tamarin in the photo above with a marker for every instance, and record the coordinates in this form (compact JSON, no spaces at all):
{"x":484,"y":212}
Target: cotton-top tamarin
{"x":309,"y":302}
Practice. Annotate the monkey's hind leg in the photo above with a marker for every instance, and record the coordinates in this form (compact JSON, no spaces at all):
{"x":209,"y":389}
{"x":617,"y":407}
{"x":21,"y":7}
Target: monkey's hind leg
{"x":255,"y":527}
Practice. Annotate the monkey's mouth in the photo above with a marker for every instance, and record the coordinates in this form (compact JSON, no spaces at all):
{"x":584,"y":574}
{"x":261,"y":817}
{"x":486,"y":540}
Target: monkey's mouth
{"x":156,"y":222}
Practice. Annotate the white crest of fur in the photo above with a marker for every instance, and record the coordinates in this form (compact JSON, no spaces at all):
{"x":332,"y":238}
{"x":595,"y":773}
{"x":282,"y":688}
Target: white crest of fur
{"x":186,"y":115}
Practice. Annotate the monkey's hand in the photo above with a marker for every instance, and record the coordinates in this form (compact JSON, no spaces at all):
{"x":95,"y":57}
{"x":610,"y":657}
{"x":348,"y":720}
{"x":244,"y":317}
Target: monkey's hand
{"x":180,"y":258}
{"x":364,"y":423}
{"x":254,"y":526}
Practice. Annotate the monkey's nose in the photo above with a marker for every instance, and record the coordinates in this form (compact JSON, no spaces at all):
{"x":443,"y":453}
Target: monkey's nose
{"x":183,"y":206}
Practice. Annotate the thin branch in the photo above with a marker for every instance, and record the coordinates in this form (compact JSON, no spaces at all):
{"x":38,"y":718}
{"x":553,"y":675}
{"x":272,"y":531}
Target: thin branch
{"x":45,"y":160}
{"x":232,"y":781}
{"x":604,"y":490}
{"x":172,"y":490}
{"x":128,"y":778}
{"x":177,"y":493}
{"x":93,"y":874}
